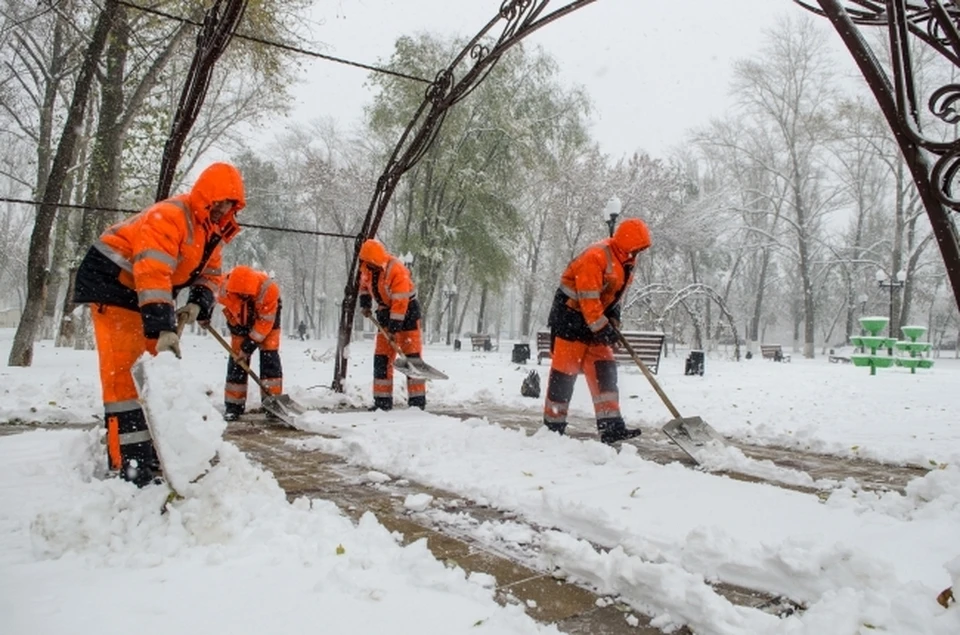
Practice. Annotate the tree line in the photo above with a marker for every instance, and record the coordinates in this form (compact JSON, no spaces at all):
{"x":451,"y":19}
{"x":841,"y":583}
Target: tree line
{"x":769,"y":223}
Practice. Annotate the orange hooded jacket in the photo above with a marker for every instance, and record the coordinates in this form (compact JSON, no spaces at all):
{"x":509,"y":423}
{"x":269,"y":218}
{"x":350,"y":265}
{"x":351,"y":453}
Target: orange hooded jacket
{"x":251,"y":302}
{"x":593,"y":283}
{"x":388,"y":280}
{"x":141,"y":263}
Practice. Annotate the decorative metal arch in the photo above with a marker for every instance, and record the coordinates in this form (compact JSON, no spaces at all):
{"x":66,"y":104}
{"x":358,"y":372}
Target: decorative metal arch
{"x":934,"y":164}
{"x":520,"y":18}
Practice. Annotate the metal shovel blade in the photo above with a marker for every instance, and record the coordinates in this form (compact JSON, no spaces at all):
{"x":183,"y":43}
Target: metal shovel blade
{"x":692,"y":434}
{"x":417,"y":368}
{"x":139,"y":373}
{"x":284,"y":408}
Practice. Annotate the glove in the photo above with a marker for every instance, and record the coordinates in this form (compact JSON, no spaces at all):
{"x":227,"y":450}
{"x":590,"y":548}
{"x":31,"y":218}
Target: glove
{"x":168,"y":341}
{"x":366,"y":312}
{"x":395,"y":326}
{"x":608,"y":335}
{"x":248,"y":347}
{"x":188,"y":313}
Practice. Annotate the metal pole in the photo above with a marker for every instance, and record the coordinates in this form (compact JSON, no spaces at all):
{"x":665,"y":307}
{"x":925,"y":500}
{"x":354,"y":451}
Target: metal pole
{"x":891,"y":286}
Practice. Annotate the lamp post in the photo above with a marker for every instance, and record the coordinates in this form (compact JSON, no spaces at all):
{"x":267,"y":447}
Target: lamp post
{"x":890,"y":285}
{"x":863,"y":309}
{"x":610,"y":213}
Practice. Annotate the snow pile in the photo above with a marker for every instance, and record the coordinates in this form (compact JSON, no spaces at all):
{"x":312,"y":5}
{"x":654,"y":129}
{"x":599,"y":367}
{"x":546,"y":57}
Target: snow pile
{"x":656,"y":534}
{"x":233,"y":557}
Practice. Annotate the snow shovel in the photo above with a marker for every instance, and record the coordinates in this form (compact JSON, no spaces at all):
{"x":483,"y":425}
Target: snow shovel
{"x":282,"y":406}
{"x":416,"y":368}
{"x":139,"y":374}
{"x":690,"y":433}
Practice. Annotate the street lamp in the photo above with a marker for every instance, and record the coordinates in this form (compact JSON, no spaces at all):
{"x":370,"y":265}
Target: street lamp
{"x":611,"y":212}
{"x":891,"y":285}
{"x":863,"y":308}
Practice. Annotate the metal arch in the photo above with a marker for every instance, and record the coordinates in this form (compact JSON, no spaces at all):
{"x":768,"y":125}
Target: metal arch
{"x":520,"y":18}
{"x":680,"y":297}
{"x":934,"y":164}
{"x":644,"y":293}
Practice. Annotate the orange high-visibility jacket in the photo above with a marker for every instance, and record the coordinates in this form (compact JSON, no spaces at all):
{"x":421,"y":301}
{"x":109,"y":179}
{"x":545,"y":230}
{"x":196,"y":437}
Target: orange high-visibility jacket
{"x":593,"y":282}
{"x":251,"y":302}
{"x":591,"y":287}
{"x":143,"y":262}
{"x":392,"y":287}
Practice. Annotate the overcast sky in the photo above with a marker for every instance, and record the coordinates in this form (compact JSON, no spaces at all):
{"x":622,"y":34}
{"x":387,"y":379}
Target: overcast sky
{"x":654,"y":68}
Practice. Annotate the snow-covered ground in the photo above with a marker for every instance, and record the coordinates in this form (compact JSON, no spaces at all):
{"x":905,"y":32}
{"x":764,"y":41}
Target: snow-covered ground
{"x":79,"y":554}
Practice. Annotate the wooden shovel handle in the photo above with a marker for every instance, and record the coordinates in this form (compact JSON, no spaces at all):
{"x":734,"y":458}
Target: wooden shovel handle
{"x":386,"y":334}
{"x":646,"y":372}
{"x":239,"y":360}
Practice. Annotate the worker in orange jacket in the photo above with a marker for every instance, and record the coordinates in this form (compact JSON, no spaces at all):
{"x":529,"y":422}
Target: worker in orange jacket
{"x":584,"y":323}
{"x":132,"y":276}
{"x":386,"y":280}
{"x":251,"y":304}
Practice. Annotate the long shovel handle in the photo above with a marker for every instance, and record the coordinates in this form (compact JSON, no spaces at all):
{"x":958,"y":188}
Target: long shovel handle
{"x":239,"y":360}
{"x":646,"y":372}
{"x":386,"y":334}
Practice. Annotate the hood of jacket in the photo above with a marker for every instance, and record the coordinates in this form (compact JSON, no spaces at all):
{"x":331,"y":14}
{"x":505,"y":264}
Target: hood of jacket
{"x":219,"y":182}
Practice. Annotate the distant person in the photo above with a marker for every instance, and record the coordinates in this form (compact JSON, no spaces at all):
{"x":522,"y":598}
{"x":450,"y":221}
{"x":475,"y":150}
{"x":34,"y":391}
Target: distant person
{"x":302,"y":330}
{"x":387,"y":281}
{"x":131,"y":276}
{"x":584,"y":323}
{"x":251,"y":304}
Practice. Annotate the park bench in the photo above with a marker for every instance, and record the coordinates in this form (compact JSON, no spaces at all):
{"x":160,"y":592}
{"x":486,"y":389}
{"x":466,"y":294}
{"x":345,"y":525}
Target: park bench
{"x":543,"y":345}
{"x":774,"y":352}
{"x":481,"y":343}
{"x":648,"y":345}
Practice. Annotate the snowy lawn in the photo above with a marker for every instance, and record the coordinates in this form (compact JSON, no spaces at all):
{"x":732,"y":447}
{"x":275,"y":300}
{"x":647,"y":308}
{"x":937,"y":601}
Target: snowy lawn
{"x":81,"y":554}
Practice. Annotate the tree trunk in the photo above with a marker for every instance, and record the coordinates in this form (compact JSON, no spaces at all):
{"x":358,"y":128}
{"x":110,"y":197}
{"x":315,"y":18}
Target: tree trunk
{"x":103,"y":175}
{"x":483,"y":309}
{"x":21,"y":352}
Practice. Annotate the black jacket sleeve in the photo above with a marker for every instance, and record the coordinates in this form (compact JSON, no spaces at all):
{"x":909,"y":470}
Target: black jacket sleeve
{"x":202,"y":297}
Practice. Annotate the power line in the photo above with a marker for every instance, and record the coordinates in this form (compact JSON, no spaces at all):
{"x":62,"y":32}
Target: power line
{"x":104,"y":210}
{"x":286,"y":47}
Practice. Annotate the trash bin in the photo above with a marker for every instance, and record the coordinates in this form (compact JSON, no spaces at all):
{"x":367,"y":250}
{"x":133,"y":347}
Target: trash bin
{"x":694,"y":364}
{"x":521,"y":353}
{"x":456,"y":344}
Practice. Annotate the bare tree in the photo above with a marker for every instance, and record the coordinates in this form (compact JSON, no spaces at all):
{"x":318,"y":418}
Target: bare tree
{"x":788,"y":92}
{"x":21,"y":352}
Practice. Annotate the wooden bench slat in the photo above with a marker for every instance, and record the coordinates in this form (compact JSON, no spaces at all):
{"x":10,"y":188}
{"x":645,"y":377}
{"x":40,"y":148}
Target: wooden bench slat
{"x":773,"y":351}
{"x":481,"y":342}
{"x":648,"y":345}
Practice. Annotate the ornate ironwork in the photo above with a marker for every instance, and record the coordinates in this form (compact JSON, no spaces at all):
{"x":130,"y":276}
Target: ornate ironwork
{"x":519,"y":19}
{"x":219,"y":25}
{"x":935,"y":23}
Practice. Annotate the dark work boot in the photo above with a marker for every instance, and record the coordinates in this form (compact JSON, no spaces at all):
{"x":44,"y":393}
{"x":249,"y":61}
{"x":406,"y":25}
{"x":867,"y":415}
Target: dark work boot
{"x":382,"y":403}
{"x":559,"y":428}
{"x":232,"y":412}
{"x":140,"y":465}
{"x":614,"y":430}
